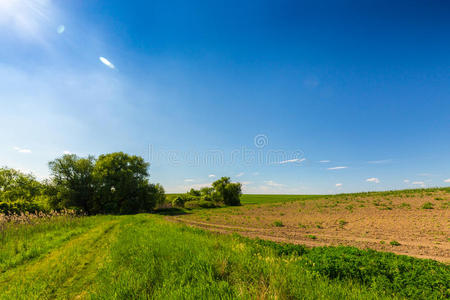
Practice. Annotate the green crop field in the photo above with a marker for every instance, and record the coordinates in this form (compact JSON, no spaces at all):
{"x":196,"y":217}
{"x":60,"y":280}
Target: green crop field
{"x":262,"y":199}
{"x":145,"y":256}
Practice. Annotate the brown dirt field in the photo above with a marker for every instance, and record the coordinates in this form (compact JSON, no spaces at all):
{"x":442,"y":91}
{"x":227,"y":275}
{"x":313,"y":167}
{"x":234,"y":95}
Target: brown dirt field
{"x":362,"y":221}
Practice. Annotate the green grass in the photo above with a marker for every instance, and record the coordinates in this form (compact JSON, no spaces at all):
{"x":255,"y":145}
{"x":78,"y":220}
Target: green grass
{"x":264,"y":199}
{"x":147,"y":257}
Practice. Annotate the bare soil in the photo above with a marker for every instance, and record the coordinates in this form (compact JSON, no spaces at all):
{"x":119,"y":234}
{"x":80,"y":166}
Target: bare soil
{"x":370,"y":221}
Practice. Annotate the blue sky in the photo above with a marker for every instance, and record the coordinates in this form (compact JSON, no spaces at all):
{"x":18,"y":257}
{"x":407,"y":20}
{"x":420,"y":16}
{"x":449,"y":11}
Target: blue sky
{"x":284,"y":96}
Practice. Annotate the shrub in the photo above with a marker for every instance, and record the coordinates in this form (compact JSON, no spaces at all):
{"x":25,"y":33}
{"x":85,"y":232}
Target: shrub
{"x":428,"y":205}
{"x":278,"y":224}
{"x":199,"y":204}
{"x":395,"y":243}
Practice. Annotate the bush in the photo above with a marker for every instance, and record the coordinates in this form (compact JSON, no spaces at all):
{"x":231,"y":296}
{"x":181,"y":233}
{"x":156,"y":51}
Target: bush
{"x":199,"y":204}
{"x":428,"y":205}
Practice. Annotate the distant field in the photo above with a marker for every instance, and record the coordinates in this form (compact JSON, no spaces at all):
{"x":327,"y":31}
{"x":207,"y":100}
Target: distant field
{"x":263,"y":199}
{"x":147,"y":257}
{"x":411,"y":222}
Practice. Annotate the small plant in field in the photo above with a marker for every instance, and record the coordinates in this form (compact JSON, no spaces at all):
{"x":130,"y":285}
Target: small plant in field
{"x":445,"y":205}
{"x":278,"y":224}
{"x":382,"y":242}
{"x":301,"y":225}
{"x":342,"y":223}
{"x":405,"y":205}
{"x":395,"y":243}
{"x":282,"y":214}
{"x":438,"y":198}
{"x":313,"y":237}
{"x":319,"y":226}
{"x":428,"y":205}
{"x":349,"y":208}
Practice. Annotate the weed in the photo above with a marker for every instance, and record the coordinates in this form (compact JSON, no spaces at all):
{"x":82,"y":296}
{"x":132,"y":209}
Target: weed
{"x":394,"y":243}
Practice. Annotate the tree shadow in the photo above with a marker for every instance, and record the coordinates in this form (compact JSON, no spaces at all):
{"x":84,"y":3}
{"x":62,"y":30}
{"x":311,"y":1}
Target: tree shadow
{"x":170,"y":211}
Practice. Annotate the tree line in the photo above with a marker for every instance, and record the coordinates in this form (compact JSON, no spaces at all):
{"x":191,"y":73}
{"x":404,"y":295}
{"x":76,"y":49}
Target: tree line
{"x":116,"y":183}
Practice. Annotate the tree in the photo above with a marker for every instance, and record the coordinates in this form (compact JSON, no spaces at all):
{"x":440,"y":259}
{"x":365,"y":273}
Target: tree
{"x":227,"y":192}
{"x":123,"y":186}
{"x":15,"y":185}
{"x":72,"y":183}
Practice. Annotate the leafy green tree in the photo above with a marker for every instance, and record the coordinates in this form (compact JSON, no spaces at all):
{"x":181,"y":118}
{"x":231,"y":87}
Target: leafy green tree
{"x":227,"y":192}
{"x":15,"y":185}
{"x":123,"y":185}
{"x":72,"y":183}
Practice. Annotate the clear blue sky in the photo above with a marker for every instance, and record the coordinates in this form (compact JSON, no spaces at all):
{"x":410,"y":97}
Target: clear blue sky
{"x":341,"y":97}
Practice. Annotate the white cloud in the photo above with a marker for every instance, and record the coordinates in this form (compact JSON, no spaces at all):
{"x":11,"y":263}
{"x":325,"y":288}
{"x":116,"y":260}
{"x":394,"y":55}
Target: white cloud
{"x":189,"y":180}
{"x":421,"y":183}
{"x":297,"y":160}
{"x":106,"y":62}
{"x":240,"y":174}
{"x":60,"y":29}
{"x":325,"y":161}
{"x":373,"y":179}
{"x":22,"y":150}
{"x":255,"y":173}
{"x":383,"y":161}
{"x":273,"y":183}
{"x":67,"y":152}
{"x":338,"y":184}
{"x":211,"y":175}
{"x":337,"y":168}
{"x":447,"y":180}
{"x":406,"y":181}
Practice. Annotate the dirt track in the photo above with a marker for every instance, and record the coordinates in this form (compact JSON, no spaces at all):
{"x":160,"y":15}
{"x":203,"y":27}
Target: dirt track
{"x":363,"y":222}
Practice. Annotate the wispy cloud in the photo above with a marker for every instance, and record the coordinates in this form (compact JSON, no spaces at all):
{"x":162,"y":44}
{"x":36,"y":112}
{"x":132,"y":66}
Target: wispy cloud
{"x":421,"y":183}
{"x":447,"y":180}
{"x":240,"y":174}
{"x":273,"y":183}
{"x":406,"y":181}
{"x":60,"y":29}
{"x":255,"y":173}
{"x":383,"y":161}
{"x":338,"y":184}
{"x":189,"y":180}
{"x":211,"y":175}
{"x":22,"y":150}
{"x":324,"y":161}
{"x":338,"y":168}
{"x":67,"y":152}
{"x":106,"y":62}
{"x":295,"y":160}
{"x":425,"y":174}
{"x":373,"y":179}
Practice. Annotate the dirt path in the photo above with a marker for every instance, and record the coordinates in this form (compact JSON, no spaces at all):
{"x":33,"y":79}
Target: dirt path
{"x":65,"y":271}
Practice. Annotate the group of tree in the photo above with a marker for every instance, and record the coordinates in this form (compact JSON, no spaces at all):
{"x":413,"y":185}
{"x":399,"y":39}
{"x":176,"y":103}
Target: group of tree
{"x":114,"y":183}
{"x":222,"y":192}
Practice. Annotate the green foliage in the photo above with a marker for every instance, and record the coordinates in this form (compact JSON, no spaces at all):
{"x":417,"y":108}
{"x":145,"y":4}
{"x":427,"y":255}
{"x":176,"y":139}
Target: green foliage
{"x":227,"y":192}
{"x":21,"y":192}
{"x":199,"y":204}
{"x":278,"y":224}
{"x":394,"y":243}
{"x":428,"y":205}
{"x":114,"y":183}
{"x":72,"y":183}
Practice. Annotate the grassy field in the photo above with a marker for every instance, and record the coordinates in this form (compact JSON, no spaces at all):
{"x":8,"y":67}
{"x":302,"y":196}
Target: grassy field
{"x":146,"y":256}
{"x":264,"y":199}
